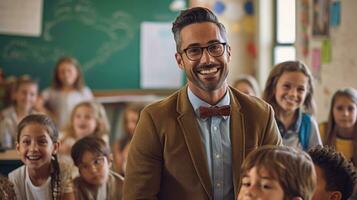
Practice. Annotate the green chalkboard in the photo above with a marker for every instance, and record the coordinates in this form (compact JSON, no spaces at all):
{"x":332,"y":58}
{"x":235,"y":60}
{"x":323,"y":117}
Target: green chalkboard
{"x":103,"y":35}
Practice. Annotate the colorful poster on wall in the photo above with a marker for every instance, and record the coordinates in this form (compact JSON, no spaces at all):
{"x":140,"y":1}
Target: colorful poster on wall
{"x":326,"y":51}
{"x":316,"y":62}
{"x":335,"y":13}
{"x":321,"y":14}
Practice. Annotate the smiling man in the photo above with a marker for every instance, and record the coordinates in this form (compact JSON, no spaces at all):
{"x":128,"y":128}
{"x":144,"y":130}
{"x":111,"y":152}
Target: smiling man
{"x":191,"y":144}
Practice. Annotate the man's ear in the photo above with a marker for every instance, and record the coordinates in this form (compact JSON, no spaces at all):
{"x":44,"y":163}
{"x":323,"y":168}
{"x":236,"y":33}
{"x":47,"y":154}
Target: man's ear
{"x":229,"y":53}
{"x":179,"y":60}
{"x":335,"y":195}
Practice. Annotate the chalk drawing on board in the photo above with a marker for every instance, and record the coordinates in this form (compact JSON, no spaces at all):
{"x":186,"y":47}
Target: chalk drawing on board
{"x":115,"y":28}
{"x":24,"y":50}
{"x":85,"y":13}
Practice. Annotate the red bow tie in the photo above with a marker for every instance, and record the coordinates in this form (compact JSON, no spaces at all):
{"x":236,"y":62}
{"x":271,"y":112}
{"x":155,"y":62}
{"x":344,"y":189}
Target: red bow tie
{"x":214,"y":111}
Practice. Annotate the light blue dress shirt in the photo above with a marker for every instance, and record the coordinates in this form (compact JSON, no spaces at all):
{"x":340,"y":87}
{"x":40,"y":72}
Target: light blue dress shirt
{"x":215,"y":135}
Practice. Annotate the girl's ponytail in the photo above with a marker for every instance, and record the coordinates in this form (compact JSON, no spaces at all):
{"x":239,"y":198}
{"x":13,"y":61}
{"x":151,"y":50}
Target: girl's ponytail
{"x":55,"y":178}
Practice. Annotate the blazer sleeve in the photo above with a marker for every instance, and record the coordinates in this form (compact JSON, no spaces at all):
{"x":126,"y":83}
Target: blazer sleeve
{"x":145,"y":161}
{"x":271,"y":135}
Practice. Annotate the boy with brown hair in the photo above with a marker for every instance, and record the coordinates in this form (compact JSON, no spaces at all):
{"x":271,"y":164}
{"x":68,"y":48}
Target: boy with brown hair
{"x":277,"y":173}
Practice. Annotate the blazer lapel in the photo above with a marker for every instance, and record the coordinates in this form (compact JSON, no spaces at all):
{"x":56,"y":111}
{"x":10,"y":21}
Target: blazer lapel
{"x":190,"y":130}
{"x":237,"y":133}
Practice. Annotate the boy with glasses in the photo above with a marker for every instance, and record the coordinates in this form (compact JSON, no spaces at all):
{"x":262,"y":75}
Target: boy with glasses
{"x":191,"y":144}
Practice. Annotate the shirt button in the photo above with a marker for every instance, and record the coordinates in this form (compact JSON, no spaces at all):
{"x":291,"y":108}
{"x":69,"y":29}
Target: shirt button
{"x":215,"y":128}
{"x":217,"y":155}
{"x":218,"y":184}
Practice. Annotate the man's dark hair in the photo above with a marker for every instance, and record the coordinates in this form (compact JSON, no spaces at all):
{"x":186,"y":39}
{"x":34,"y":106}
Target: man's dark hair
{"x":339,"y":174}
{"x":191,"y":16}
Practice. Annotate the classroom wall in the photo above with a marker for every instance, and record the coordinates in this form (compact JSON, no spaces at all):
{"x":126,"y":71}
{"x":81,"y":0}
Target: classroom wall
{"x":341,"y":70}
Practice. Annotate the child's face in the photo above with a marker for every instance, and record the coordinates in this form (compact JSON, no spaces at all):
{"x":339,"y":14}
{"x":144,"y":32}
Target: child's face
{"x":245,"y":88}
{"x":260,"y":185}
{"x":67,"y":73}
{"x":131,"y":121}
{"x":291,"y":90}
{"x":35,"y":146}
{"x":94,"y":169}
{"x":84,"y":121}
{"x":320,"y":191}
{"x":344,"y":112}
{"x":26,"y":95}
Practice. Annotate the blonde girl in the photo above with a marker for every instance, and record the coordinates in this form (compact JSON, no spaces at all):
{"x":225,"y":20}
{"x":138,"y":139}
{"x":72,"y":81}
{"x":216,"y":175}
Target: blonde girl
{"x":289,"y":89}
{"x":24,"y":96}
{"x":87,"y":118}
{"x":41,"y":176}
{"x":277,"y":173}
{"x":68,"y":89}
{"x":341,"y":129}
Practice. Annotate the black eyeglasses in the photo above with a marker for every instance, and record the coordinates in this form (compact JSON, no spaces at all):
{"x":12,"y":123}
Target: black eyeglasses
{"x":195,"y":53}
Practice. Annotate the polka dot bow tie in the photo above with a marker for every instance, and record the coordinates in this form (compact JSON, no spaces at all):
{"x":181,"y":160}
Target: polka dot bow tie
{"x":214,"y":111}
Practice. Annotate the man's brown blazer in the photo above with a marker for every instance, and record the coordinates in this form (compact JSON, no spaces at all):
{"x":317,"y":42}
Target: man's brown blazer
{"x":167,"y":159}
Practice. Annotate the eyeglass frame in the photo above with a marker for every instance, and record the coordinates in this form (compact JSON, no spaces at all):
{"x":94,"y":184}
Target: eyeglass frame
{"x":203,"y":48}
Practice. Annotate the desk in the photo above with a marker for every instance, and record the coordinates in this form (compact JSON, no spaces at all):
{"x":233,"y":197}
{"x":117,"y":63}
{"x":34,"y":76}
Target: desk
{"x":9,"y":155}
{"x":9,"y":160}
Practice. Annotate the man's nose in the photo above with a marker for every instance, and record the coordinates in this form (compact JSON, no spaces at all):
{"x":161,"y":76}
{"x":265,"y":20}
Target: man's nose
{"x":206,"y":57}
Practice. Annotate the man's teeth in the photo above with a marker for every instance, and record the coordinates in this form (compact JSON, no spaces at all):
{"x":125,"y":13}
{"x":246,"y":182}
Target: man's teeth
{"x":208,"y":71}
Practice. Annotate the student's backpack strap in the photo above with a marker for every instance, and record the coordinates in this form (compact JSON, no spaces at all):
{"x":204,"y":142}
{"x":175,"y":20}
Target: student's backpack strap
{"x":305,"y":131}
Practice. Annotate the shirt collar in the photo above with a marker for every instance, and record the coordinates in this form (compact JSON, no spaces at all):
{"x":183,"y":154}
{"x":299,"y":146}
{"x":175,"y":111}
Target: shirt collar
{"x":196,"y":102}
{"x":294,"y":127}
